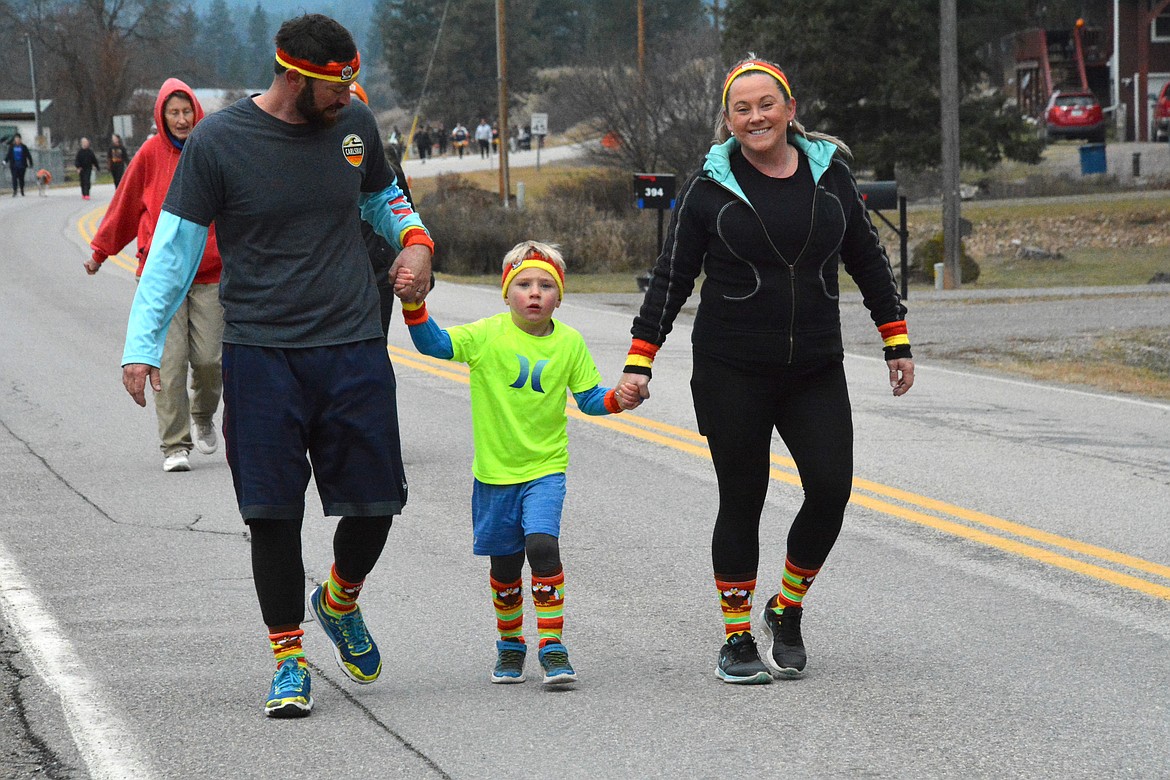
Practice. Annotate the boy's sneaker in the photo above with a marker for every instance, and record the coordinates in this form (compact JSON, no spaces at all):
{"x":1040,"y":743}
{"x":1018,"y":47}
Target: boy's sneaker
{"x":739,"y":662}
{"x":509,"y":662}
{"x":353,"y":647}
{"x":787,"y":654}
{"x":289,"y":695}
{"x":554,"y":659}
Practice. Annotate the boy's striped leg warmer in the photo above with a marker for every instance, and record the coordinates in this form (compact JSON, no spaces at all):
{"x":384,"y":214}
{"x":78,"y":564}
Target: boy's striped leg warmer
{"x":548,"y":594}
{"x":508,"y":600}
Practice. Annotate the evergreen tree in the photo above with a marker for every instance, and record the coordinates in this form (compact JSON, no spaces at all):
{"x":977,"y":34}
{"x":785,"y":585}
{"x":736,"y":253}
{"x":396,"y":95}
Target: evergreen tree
{"x":258,"y":56}
{"x":882,"y":98}
{"x":220,"y":45}
{"x":463,"y":80}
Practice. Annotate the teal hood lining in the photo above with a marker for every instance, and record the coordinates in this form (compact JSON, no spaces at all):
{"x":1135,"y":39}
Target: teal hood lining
{"x":717,"y":164}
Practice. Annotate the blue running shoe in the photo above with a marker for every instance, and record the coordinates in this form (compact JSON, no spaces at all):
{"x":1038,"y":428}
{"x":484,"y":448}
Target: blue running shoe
{"x":554,"y":659}
{"x":289,"y":695}
{"x":353,"y":647}
{"x":509,"y":662}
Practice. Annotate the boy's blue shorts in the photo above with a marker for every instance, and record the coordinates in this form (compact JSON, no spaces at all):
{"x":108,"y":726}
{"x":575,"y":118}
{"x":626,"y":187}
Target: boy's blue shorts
{"x":335,"y":403}
{"x":502,"y":515}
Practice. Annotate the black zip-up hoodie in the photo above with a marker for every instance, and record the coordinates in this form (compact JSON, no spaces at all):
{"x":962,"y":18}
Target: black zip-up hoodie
{"x":754,"y":304}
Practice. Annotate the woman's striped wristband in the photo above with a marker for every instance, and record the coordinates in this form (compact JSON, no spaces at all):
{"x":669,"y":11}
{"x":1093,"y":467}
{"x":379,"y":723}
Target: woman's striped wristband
{"x":895,"y":340}
{"x":640,"y":359}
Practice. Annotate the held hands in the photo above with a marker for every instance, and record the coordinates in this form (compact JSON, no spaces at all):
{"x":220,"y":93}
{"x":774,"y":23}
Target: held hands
{"x":628,"y":396}
{"x":403,"y":283}
{"x":901,"y":375}
{"x":640,"y":382}
{"x":134,"y":376}
{"x":416,"y":259}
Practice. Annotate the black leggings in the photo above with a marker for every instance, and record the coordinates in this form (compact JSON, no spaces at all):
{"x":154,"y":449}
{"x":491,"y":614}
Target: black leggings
{"x":737,"y":408}
{"x":279,"y":570}
{"x":544,"y":558}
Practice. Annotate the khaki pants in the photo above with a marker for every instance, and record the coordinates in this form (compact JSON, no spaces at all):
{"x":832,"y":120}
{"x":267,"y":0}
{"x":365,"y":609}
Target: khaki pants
{"x":194,"y":339}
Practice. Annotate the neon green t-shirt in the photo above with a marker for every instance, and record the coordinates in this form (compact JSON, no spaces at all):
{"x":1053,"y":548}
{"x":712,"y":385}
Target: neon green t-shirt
{"x":518,"y":384}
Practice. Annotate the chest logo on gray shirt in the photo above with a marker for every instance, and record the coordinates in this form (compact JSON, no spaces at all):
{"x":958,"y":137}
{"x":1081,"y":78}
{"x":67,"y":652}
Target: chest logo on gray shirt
{"x":354,"y":149}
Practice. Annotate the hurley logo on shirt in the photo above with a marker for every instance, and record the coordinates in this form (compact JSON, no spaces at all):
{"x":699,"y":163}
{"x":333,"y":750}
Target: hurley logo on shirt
{"x":354,"y":149}
{"x":537,"y":369}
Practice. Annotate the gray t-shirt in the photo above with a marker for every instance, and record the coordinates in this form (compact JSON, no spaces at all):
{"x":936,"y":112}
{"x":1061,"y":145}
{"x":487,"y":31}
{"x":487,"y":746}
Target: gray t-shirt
{"x":284,"y":199}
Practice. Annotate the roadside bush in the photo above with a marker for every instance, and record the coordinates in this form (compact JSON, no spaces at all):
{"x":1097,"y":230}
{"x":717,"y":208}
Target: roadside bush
{"x":931,"y":251}
{"x":605,"y":189}
{"x":473,"y":232}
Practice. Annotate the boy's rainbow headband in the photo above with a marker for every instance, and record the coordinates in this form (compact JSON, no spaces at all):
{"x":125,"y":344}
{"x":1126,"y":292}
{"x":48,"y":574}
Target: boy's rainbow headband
{"x":534,"y":260}
{"x":343,"y":72}
{"x":762,"y":67}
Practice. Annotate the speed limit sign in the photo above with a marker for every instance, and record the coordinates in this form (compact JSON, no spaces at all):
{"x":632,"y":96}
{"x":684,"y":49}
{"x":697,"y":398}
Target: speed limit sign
{"x":540,"y":124}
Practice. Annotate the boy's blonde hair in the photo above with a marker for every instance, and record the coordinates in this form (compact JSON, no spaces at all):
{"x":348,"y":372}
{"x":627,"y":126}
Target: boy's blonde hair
{"x":518,"y":253}
{"x":530,"y":254}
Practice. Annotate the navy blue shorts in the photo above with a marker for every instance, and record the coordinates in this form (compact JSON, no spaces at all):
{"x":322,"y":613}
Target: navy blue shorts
{"x":502,"y":515}
{"x":337,"y":405}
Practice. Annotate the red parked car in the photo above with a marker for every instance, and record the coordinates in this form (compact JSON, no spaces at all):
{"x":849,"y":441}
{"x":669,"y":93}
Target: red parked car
{"x":1075,"y":115}
{"x":1162,"y":114}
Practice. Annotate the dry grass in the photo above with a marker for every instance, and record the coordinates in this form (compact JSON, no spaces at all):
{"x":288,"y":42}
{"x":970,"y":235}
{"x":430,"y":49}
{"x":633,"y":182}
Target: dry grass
{"x":1125,"y":380}
{"x":1137,"y":361}
{"x":536,"y":183}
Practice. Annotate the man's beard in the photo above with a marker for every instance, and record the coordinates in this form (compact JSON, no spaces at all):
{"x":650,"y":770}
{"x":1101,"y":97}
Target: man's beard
{"x":313,"y":115}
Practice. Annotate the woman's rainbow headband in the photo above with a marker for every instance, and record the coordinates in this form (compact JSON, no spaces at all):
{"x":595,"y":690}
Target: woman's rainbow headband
{"x":343,"y":72}
{"x":762,"y":67}
{"x":534,"y":259}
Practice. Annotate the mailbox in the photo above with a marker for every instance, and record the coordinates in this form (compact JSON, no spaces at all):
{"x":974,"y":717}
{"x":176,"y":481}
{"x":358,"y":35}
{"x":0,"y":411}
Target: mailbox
{"x":654,"y":190}
{"x":879,"y":195}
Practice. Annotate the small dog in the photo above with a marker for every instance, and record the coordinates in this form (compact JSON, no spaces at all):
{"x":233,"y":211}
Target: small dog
{"x":44,"y":179}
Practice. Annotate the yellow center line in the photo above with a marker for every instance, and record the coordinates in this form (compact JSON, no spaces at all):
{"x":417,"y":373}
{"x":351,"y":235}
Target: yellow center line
{"x":87,"y":226}
{"x":692,"y":443}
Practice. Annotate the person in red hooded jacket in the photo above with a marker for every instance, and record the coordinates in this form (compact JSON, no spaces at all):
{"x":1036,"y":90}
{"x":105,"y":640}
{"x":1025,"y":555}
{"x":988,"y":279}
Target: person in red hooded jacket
{"x":196,"y":332}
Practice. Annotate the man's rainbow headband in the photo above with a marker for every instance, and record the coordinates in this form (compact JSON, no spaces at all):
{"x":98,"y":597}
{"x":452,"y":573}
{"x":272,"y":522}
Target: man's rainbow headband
{"x":534,"y":259}
{"x":762,"y":67}
{"x":343,"y":72}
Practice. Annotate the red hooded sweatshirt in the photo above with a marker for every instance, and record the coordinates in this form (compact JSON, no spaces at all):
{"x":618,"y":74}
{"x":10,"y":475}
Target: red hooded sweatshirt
{"x":138,"y":200}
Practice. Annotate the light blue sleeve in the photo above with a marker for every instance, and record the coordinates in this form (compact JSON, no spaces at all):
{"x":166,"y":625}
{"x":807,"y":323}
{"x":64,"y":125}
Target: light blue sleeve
{"x":592,"y":401}
{"x":390,"y":213}
{"x":432,"y":340}
{"x":175,"y":254}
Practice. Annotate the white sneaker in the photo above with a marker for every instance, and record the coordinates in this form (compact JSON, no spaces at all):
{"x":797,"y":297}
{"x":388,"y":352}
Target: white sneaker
{"x":203,"y":434}
{"x":176,"y":461}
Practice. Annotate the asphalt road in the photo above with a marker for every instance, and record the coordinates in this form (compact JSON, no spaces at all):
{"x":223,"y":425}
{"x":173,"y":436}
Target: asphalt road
{"x":998,"y":604}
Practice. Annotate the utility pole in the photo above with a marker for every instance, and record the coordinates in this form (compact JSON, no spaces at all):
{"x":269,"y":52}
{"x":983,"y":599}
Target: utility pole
{"x":949,"y":94}
{"x":502,"y":72}
{"x":641,"y":42}
{"x":32,"y":72}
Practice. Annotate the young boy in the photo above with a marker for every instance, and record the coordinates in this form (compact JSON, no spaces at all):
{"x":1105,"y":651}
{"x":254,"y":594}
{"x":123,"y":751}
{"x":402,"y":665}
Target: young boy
{"x":521,"y":363}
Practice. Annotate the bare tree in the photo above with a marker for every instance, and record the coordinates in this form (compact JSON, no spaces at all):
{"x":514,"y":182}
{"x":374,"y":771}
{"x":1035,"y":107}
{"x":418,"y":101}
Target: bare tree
{"x":660,"y":122}
{"x":96,"y":53}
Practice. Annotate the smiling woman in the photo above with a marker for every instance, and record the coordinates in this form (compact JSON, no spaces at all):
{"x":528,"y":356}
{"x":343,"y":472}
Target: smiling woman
{"x":768,"y":219}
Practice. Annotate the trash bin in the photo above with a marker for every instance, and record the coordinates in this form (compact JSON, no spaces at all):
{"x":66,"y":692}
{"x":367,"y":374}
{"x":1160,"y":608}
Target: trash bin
{"x":1092,"y":159}
{"x":940,"y":276}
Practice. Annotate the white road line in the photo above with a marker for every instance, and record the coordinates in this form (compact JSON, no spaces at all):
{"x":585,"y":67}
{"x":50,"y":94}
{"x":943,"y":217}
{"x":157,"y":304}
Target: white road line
{"x":101,"y":737}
